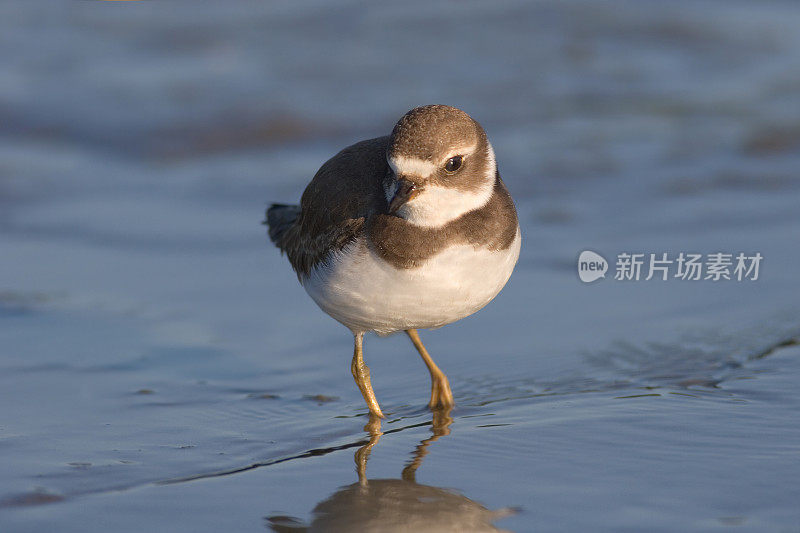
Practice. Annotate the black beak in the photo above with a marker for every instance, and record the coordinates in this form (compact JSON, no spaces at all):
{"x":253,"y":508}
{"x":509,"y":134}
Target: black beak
{"x":406,"y":190}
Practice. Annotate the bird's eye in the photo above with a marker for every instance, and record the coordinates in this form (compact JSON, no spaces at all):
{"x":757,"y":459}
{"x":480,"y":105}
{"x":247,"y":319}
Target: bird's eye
{"x":454,"y":163}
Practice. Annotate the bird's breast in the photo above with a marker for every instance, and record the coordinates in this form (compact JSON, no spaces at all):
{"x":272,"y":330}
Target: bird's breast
{"x":366,"y":293}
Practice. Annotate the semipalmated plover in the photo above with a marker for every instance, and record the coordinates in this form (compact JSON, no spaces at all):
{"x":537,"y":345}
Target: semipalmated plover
{"x":410,"y":231}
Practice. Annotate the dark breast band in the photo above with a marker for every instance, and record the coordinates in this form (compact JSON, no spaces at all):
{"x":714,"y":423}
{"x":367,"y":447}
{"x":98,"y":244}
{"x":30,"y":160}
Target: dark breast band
{"x":405,"y":245}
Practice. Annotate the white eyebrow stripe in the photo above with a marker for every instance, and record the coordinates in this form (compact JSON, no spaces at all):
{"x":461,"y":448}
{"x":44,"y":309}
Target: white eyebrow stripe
{"x":463,"y":151}
{"x":410,"y":165}
{"x":419,"y":167}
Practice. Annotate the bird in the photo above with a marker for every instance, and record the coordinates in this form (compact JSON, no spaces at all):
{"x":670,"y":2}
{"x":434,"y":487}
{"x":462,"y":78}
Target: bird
{"x":409,"y":231}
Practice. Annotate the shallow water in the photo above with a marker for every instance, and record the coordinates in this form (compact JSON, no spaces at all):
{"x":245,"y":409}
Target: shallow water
{"x":162,"y":369}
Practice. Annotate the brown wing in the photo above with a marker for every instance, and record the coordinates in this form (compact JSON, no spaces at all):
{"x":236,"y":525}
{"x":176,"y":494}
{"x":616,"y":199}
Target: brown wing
{"x":344,"y":192}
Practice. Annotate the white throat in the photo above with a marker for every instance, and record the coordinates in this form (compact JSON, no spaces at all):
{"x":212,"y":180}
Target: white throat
{"x":435,"y":205}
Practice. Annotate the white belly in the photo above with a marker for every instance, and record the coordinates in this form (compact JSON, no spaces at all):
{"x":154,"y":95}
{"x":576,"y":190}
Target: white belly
{"x":367,"y":294}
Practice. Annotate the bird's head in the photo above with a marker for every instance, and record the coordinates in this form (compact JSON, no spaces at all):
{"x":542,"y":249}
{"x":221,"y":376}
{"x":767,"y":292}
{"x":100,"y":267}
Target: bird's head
{"x":441,"y":165}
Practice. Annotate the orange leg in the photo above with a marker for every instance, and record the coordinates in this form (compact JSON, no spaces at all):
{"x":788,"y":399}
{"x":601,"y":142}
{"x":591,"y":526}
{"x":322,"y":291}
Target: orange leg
{"x":361,"y":375}
{"x":441,"y":396}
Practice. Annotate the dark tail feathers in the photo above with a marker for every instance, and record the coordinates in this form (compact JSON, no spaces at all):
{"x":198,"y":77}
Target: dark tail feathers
{"x":280,"y":218}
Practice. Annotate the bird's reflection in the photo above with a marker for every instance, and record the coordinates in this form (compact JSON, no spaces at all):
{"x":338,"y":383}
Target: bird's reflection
{"x":388,"y":505}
